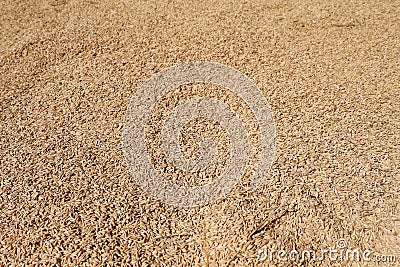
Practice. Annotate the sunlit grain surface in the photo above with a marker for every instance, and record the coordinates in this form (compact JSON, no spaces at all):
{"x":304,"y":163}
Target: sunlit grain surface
{"x":328,"y":69}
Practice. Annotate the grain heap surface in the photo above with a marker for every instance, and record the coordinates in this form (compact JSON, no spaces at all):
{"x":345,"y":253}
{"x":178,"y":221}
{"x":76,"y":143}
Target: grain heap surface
{"x":68,"y":69}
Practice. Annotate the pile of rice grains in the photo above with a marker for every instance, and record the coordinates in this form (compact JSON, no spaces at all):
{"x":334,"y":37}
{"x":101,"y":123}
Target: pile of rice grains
{"x":328,"y":69}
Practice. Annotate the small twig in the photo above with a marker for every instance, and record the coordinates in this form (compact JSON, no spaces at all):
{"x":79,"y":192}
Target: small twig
{"x":272,"y":218}
{"x":275,"y":215}
{"x":207,"y":257}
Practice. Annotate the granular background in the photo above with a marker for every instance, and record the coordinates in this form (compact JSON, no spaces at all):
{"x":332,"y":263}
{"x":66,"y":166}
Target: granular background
{"x":328,"y":69}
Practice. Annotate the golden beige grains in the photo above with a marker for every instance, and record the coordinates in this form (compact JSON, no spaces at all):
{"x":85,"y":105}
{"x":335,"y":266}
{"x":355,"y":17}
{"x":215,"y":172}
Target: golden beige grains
{"x":68,"y":69}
